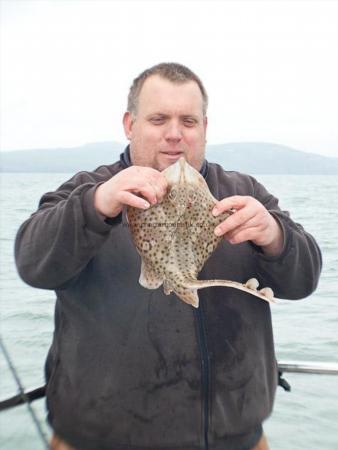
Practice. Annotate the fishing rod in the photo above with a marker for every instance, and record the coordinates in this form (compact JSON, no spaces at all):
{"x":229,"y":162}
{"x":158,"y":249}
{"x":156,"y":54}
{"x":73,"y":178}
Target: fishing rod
{"x":24,"y":396}
{"x":283,"y":366}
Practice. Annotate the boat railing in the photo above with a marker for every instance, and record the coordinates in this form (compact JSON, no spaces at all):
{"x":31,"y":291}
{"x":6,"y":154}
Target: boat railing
{"x":308,"y":367}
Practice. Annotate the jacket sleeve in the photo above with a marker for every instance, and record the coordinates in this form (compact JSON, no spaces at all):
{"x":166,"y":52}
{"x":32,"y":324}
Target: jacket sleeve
{"x":293,"y":274}
{"x":60,"y":238}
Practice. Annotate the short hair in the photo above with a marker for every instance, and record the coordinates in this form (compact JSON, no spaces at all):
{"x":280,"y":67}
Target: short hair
{"x":174,"y":72}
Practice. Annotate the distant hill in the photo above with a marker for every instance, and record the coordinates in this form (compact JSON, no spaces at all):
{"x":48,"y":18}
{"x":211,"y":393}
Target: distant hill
{"x":248,"y":157}
{"x":67,"y":160}
{"x":266,"y":158}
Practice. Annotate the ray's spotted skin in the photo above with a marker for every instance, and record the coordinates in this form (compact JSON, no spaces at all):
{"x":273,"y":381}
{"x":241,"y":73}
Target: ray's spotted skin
{"x":176,"y":237}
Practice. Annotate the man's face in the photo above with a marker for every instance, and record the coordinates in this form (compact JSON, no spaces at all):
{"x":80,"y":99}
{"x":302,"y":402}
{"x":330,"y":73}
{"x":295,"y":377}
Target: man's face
{"x":169,"y":124}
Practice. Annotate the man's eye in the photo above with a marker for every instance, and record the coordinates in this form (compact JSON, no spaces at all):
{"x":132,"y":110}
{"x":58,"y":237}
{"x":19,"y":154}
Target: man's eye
{"x":157,"y":120}
{"x":189,"y":122}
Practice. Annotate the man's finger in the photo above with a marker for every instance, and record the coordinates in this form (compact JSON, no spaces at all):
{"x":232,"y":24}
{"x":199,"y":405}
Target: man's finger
{"x":236,"y":220}
{"x":148,"y":191}
{"x":241,"y":235}
{"x":127,"y":198}
{"x":234,"y":202}
{"x":159,"y":191}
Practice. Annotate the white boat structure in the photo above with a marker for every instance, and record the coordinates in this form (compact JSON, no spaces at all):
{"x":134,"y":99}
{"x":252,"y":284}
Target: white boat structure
{"x":319,"y":368}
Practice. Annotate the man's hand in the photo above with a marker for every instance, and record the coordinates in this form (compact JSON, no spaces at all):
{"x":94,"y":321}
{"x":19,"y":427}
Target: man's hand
{"x":251,"y":221}
{"x":135,"y":186}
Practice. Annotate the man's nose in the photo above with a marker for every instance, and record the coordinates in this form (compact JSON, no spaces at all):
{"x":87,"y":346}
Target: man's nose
{"x":173,"y":131}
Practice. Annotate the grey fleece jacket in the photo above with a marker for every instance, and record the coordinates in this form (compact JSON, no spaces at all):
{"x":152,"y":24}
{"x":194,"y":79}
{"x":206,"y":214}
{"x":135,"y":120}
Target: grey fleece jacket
{"x":134,"y":369}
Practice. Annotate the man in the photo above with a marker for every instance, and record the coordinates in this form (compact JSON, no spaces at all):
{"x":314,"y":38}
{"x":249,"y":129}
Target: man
{"x":131,"y":368}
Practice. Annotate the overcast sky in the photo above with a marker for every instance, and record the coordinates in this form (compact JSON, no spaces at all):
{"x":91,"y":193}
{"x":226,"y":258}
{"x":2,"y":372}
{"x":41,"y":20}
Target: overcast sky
{"x":270,"y":67}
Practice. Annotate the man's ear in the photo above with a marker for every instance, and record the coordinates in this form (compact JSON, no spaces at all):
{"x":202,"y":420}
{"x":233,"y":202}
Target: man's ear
{"x":127,"y":124}
{"x":205,"y":123}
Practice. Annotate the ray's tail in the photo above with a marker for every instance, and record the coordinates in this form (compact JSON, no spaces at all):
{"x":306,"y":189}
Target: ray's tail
{"x":251,"y":287}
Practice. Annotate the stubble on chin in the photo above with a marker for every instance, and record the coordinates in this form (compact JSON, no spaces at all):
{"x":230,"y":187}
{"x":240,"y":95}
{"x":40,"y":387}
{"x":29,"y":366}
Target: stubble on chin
{"x":141,"y":157}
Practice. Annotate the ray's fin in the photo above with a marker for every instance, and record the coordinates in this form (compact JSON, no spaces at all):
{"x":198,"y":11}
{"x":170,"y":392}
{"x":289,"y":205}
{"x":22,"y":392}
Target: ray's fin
{"x":189,"y":296}
{"x":148,"y":278}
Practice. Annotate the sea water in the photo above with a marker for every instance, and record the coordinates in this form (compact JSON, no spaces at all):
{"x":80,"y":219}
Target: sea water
{"x":305,"y":418}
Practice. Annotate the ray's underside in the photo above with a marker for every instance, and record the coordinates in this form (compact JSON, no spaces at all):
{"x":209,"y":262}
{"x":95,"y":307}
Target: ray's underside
{"x":176,"y":237}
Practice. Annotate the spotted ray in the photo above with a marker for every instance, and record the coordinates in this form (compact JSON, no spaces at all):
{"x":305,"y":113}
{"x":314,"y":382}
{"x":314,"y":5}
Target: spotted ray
{"x":176,"y":237}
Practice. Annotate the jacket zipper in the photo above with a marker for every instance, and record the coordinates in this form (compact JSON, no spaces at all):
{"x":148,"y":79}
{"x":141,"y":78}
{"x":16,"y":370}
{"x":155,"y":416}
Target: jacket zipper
{"x":205,"y":369}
